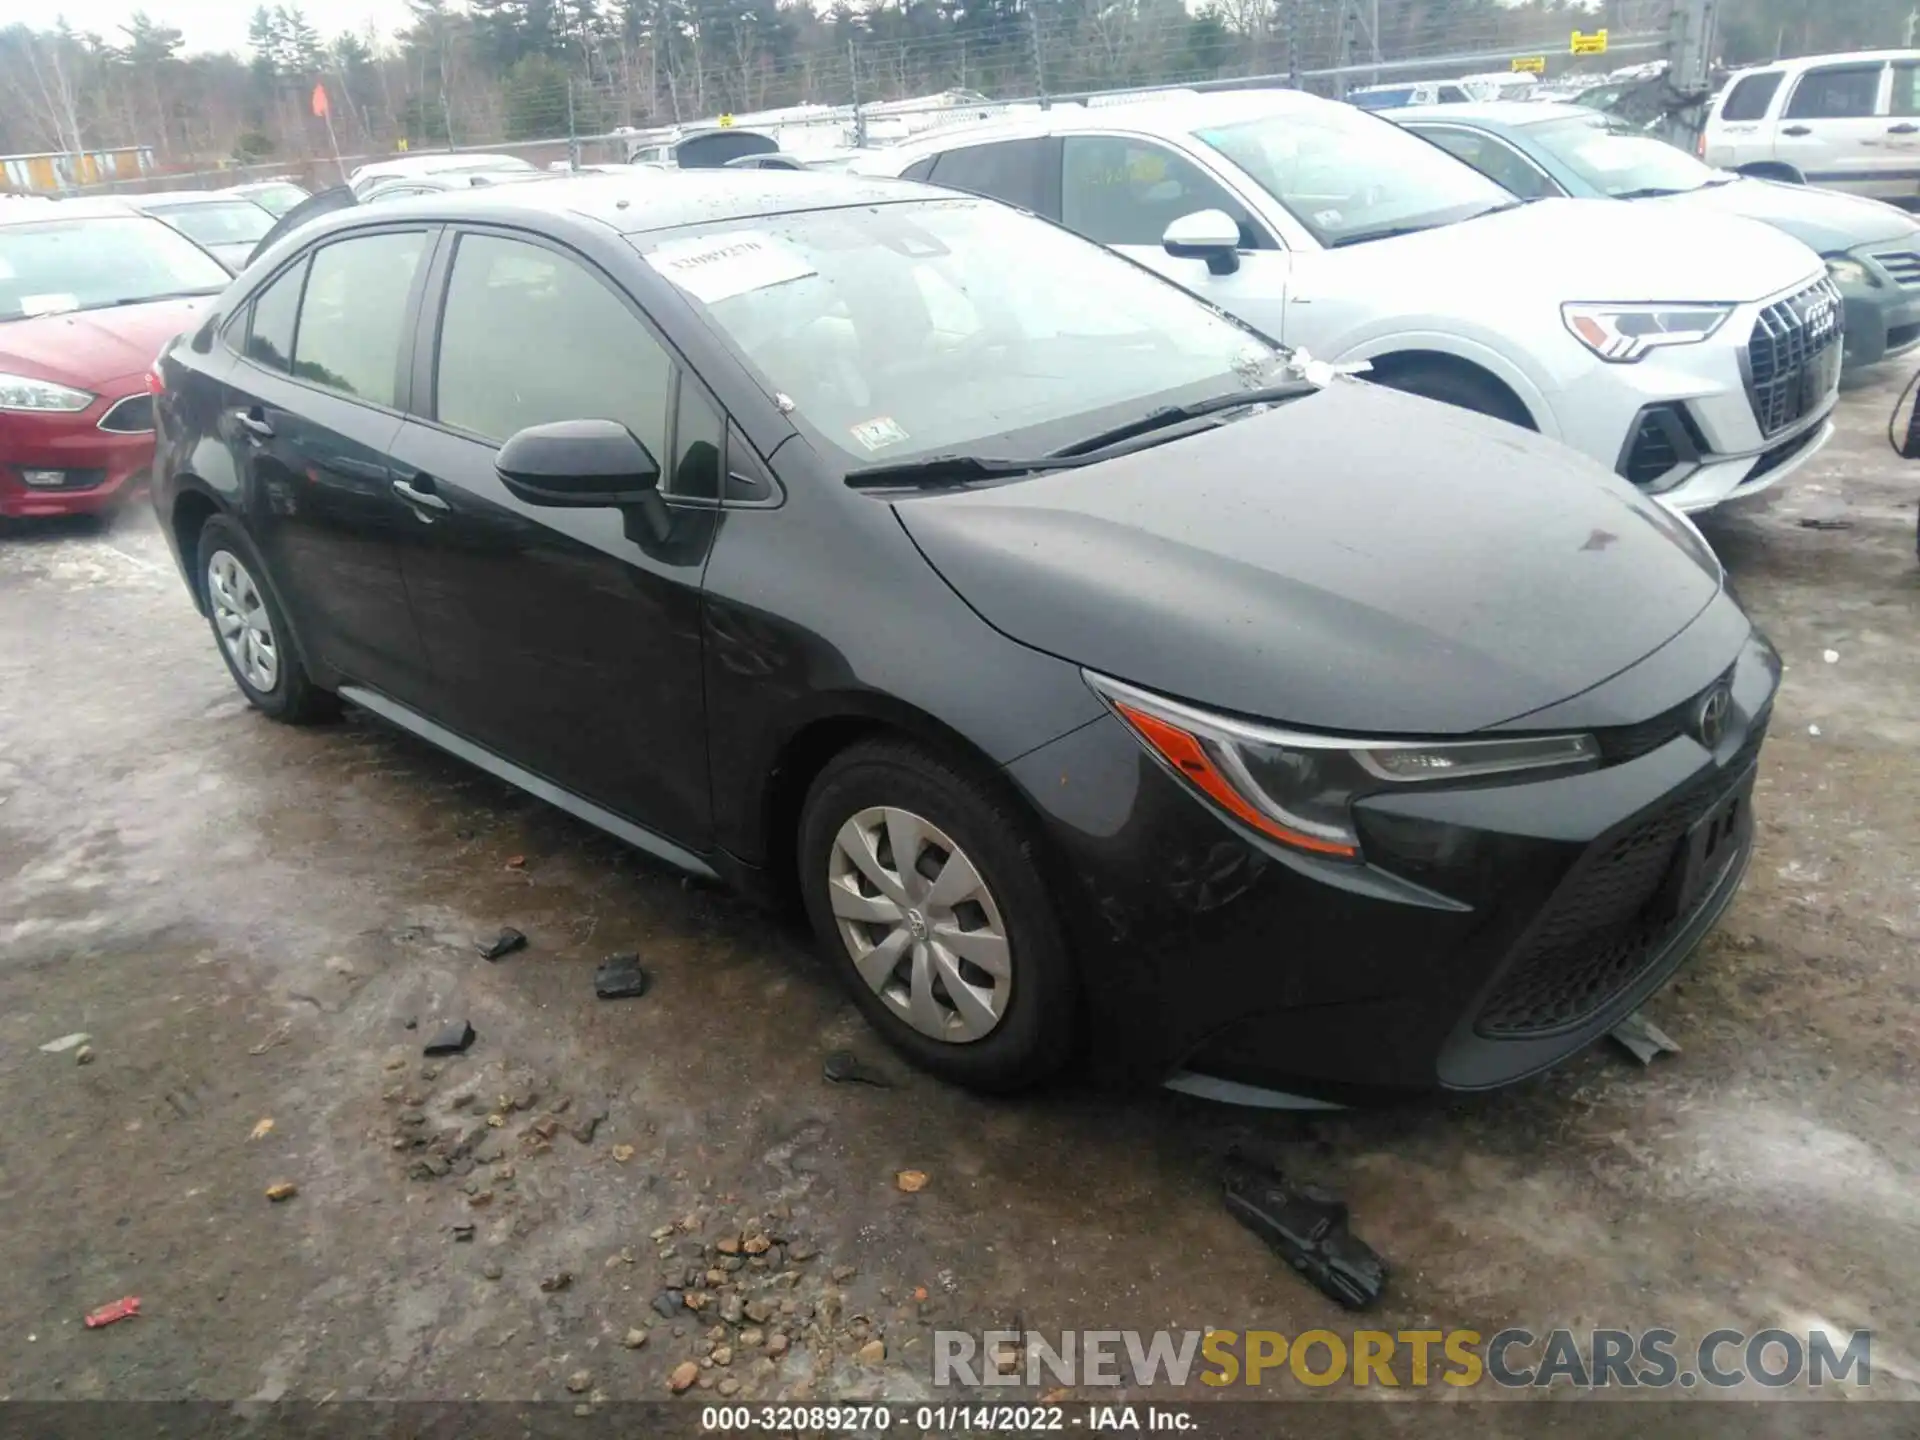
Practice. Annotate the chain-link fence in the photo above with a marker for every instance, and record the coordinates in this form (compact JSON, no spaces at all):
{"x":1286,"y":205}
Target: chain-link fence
{"x":554,"y":111}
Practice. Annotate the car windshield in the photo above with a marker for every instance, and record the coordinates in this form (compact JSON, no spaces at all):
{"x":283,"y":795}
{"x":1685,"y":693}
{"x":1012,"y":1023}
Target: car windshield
{"x":911,"y":329}
{"x":227,"y":222}
{"x":1617,"y":161}
{"x":53,"y":266}
{"x":1349,"y":176}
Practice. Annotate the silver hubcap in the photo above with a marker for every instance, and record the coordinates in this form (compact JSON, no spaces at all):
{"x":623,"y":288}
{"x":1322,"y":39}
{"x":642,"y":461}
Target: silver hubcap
{"x":241,"y":617}
{"x":922,"y":928}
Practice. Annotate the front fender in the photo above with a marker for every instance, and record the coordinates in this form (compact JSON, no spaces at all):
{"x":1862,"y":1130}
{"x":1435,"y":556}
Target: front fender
{"x":1532,"y":385}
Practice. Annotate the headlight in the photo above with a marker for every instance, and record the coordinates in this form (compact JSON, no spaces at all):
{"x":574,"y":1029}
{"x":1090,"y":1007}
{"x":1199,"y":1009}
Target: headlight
{"x":1845,"y":270}
{"x":23,"y":392}
{"x":1621,"y":334}
{"x":1299,"y":789}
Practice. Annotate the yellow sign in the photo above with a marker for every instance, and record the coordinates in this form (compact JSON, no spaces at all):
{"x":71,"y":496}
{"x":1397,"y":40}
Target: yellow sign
{"x":726,"y":120}
{"x":1530,"y":65}
{"x":401,"y":143}
{"x":1594,"y":44}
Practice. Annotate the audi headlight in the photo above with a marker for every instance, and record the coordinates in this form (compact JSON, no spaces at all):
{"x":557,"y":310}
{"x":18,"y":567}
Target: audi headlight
{"x":23,"y":392}
{"x":1622,"y":334}
{"x":1298,"y":788}
{"x":1845,"y":270}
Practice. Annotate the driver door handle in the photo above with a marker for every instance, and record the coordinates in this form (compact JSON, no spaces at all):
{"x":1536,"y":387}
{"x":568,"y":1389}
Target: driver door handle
{"x":255,"y":423}
{"x":1796,"y":130}
{"x":419,"y":491}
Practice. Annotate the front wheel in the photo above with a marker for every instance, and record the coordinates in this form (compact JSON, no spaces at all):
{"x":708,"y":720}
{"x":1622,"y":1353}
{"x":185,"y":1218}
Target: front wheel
{"x":252,"y":633}
{"x":1465,"y":388}
{"x":923,"y":886}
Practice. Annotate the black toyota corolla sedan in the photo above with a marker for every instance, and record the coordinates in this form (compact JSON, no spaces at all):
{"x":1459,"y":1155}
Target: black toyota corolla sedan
{"x":1083,"y":672}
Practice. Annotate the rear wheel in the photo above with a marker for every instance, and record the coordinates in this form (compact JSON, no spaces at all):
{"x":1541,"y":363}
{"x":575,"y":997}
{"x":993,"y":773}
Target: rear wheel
{"x":923,"y":887}
{"x":252,"y":633}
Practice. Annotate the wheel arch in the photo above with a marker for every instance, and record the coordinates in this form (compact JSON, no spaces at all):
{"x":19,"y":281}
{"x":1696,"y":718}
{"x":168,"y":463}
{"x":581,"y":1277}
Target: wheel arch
{"x":193,"y":505}
{"x":1393,"y":362}
{"x":1771,"y":170}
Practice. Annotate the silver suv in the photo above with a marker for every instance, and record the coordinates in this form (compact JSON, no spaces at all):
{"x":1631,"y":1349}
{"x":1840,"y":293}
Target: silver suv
{"x":1849,"y":122}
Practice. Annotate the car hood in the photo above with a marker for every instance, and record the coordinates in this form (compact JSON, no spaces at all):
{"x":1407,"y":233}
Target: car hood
{"x":1595,"y":250}
{"x":1357,"y":560}
{"x":88,"y":347}
{"x":1824,"y":219}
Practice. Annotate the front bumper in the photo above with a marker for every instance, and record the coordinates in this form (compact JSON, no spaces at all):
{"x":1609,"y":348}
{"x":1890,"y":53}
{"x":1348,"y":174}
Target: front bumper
{"x":1883,"y":311}
{"x":1494,"y":930}
{"x":97,"y":469}
{"x":1685,"y":423}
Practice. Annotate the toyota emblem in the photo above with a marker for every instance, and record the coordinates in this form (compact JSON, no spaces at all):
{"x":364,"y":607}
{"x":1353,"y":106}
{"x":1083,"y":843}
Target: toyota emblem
{"x":1710,"y":720}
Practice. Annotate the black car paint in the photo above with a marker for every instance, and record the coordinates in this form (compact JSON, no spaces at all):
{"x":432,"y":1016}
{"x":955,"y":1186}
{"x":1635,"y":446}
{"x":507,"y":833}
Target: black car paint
{"x":1215,"y":947}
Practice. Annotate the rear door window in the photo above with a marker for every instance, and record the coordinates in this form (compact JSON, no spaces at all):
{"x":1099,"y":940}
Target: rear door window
{"x":270,"y":335}
{"x":1836,"y":92}
{"x":1750,"y":96}
{"x":1015,"y":171}
{"x":354,"y":314}
{"x":1906,"y":89}
{"x":577,"y":352}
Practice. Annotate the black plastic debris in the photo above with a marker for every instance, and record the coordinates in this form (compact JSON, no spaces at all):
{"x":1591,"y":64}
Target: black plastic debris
{"x":1643,"y":1039}
{"x":843,"y":1067}
{"x":1824,"y":522}
{"x":1309,"y":1230}
{"x":451,"y":1038}
{"x":621,"y":978}
{"x":503,"y":944}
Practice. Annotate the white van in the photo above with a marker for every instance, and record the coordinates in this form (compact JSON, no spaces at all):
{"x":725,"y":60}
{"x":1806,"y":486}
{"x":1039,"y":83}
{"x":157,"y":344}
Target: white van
{"x":1848,"y":122}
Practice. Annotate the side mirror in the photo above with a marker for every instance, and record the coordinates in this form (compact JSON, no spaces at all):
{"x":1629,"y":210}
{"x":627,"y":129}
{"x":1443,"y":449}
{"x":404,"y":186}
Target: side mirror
{"x":578,"y":462}
{"x":1209,"y":235}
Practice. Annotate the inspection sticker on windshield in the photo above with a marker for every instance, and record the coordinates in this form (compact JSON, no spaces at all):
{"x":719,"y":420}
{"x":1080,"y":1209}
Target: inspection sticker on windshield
{"x":48,"y":304}
{"x":721,"y":266}
{"x":879,"y":433}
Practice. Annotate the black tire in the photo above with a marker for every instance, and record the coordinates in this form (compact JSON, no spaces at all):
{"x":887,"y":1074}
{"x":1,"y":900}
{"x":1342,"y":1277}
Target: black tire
{"x":1451,"y":385}
{"x":292,"y":697}
{"x":1038,"y":1022}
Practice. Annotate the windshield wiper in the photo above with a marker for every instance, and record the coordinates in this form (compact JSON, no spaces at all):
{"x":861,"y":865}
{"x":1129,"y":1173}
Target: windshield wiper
{"x":941,"y":471}
{"x":1649,"y":192}
{"x":151,"y":299}
{"x":1173,"y":414}
{"x":1365,"y":235}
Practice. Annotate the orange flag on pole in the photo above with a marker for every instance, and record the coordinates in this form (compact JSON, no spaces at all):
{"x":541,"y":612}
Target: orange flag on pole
{"x":320,"y":100}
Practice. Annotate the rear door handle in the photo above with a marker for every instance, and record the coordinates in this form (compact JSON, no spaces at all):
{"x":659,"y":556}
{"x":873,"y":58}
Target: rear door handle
{"x":1796,"y":130}
{"x":1904,"y":128}
{"x":419,"y":491}
{"x":255,"y":423}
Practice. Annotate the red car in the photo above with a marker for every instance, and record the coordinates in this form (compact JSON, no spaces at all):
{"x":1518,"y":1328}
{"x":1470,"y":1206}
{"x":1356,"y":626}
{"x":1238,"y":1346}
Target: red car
{"x":89,"y":292}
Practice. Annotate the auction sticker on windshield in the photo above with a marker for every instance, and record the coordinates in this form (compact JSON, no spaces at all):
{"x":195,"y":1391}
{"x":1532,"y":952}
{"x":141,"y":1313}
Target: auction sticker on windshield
{"x":879,"y":433}
{"x":722,"y":266}
{"x":48,"y":304}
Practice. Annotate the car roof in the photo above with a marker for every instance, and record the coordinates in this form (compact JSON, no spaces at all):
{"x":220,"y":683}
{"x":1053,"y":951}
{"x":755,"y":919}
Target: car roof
{"x":1843,"y":57}
{"x":1175,"y":115}
{"x":183,"y":197}
{"x":632,"y":204}
{"x":91,"y":207}
{"x":1502,"y":114}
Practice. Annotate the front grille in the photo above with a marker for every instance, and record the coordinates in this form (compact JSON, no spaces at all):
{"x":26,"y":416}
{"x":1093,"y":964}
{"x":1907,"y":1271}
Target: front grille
{"x":1902,"y":265}
{"x":1601,"y":930}
{"x":1789,"y":341}
{"x":131,"y":416}
{"x":1621,"y":743}
{"x":1780,"y":454}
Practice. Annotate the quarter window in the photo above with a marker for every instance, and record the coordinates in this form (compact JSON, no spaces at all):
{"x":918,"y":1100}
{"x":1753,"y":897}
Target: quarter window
{"x":1750,"y":97}
{"x":1906,"y":89}
{"x":270,"y":336}
{"x":354,"y":314}
{"x":1126,"y":192}
{"x":1835,"y":92}
{"x":572,"y":351}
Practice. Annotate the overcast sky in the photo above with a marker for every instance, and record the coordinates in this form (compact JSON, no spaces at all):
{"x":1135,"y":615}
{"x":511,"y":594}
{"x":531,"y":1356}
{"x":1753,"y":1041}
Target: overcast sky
{"x":222,"y":24}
